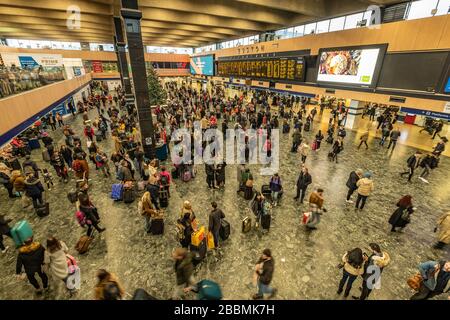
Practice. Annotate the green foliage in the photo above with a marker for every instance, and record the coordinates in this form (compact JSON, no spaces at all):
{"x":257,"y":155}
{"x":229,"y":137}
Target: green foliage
{"x":156,"y":92}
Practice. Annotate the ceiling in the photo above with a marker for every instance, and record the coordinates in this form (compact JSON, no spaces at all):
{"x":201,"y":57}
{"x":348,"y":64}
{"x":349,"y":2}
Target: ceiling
{"x":178,"y":23}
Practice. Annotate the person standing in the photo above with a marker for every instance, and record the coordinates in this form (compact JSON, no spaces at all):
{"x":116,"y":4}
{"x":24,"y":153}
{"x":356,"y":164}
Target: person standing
{"x":303,"y":181}
{"x":184,"y":269}
{"x":55,"y":258}
{"x":395,"y":134}
{"x":436,"y":276}
{"x":412,"y":164}
{"x":443,"y":225}
{"x":275,"y":188}
{"x":247,"y":181}
{"x":304,"y":150}
{"x":437,"y":129}
{"x":264,"y":269}
{"x":337,"y":147}
{"x":52,"y":121}
{"x":210,"y":175}
{"x":401,"y":216}
{"x":34,"y":190}
{"x":440,"y":147}
{"x":377,"y":260}
{"x":91,"y":214}
{"x":5,"y":179}
{"x":5,"y":230}
{"x":59,"y":118}
{"x":66,"y":153}
{"x":365,"y":187}
{"x":31,"y":258}
{"x":215,"y":221}
{"x":296,"y":140}
{"x":352,"y":266}
{"x":319,"y":138}
{"x":351,"y":183}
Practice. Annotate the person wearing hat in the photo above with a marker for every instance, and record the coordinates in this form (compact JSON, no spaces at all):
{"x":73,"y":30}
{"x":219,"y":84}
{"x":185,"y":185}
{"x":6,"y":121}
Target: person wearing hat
{"x":365,"y":187}
{"x":264,"y":273}
{"x":351,"y":183}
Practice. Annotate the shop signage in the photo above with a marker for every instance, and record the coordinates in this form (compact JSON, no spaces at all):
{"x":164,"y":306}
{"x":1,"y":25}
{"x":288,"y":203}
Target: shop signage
{"x":251,"y":49}
{"x":97,"y":66}
{"x":426,"y":113}
{"x":447,"y":107}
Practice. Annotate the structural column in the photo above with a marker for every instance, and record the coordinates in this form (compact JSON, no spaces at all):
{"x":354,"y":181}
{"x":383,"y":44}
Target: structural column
{"x":354,"y":114}
{"x":119,"y":44}
{"x":132,"y":21}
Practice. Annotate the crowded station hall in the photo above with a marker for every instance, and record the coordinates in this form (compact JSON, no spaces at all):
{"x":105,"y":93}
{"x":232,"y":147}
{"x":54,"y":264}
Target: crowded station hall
{"x":225,"y":150}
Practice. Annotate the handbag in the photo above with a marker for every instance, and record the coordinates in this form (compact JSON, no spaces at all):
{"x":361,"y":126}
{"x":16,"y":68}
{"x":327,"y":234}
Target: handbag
{"x":405,"y":215}
{"x":415,"y":281}
{"x":210,"y":240}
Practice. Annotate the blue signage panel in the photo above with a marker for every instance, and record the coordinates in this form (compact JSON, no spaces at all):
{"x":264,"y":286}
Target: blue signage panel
{"x":27,"y":62}
{"x":447,"y":86}
{"x":426,"y":113}
{"x":203,"y":65}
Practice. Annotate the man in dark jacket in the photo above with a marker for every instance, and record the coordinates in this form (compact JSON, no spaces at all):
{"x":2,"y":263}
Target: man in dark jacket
{"x":184,"y":268}
{"x":304,"y":179}
{"x":436,"y":279}
{"x":31,"y":258}
{"x":264,"y":272}
{"x":34,"y":190}
{"x":210,"y":175}
{"x":296,"y":140}
{"x":395,"y":134}
{"x":351,"y":183}
{"x":5,"y":230}
{"x":412,"y":163}
{"x":30,"y":166}
{"x":215,"y":221}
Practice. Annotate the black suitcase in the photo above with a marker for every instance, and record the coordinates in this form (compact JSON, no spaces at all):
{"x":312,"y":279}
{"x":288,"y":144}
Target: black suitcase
{"x":265,"y":190}
{"x":175,"y":174}
{"x":98,"y":137}
{"x":163,"y":199}
{"x":157,"y":226}
{"x":265,"y":221}
{"x":225,"y":229}
{"x":199,"y":252}
{"x":43,"y":211}
{"x":128,"y":195}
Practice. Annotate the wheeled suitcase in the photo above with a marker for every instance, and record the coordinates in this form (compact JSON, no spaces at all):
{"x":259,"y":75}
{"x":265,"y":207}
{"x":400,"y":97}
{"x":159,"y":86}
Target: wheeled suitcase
{"x":46,"y":155}
{"x":163,"y":199}
{"x":157,"y":226}
{"x":21,"y":232}
{"x":83,"y":244}
{"x":246,"y":224}
{"x":265,"y":221}
{"x":34,"y":144}
{"x":128,"y":196}
{"x":43,"y":211}
{"x":209,"y":290}
{"x":199,"y":251}
{"x":98,"y":138}
{"x":116,"y":191}
{"x":225,"y":229}
{"x":265,"y":190}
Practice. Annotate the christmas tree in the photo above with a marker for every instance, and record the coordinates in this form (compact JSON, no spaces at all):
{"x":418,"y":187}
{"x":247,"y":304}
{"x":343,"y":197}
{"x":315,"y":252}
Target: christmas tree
{"x":156,"y":92}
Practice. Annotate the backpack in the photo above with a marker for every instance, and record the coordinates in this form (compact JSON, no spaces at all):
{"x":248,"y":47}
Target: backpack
{"x":164,"y":180}
{"x":81,"y":218}
{"x":179,"y":228}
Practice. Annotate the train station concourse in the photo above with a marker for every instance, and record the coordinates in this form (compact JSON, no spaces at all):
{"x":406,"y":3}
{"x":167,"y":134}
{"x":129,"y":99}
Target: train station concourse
{"x":251,"y":150}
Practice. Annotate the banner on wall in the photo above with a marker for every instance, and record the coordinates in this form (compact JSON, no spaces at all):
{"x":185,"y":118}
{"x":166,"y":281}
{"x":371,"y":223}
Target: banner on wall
{"x":32,"y":60}
{"x":97,"y":66}
{"x":426,"y":113}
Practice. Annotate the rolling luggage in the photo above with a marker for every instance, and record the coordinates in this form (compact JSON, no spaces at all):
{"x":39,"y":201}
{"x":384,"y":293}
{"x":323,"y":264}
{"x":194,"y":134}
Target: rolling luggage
{"x":225,"y":229}
{"x":45,"y":155}
{"x":98,"y":137}
{"x":43,"y":211}
{"x":21,"y":232}
{"x":116,"y":192}
{"x":199,"y":251}
{"x":128,"y":196}
{"x":83,"y":244}
{"x":246,"y":224}
{"x":157,"y":225}
{"x":265,"y":191}
{"x":15,"y":164}
{"x":34,"y":144}
{"x":265,"y":221}
{"x":209,"y":290}
{"x":163,"y":198}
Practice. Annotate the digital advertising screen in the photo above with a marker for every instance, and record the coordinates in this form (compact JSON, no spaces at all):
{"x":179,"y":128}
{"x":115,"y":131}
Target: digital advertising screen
{"x":283,"y":68}
{"x":353,"y":66}
{"x":202,"y":65}
{"x":447,"y":86}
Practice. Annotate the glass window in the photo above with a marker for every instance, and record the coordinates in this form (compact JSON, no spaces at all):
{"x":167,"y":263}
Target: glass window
{"x":443,"y":7}
{"x":322,"y":26}
{"x":421,"y":9}
{"x":290,"y":33}
{"x":299,"y":31}
{"x":337,"y":24}
{"x":310,"y":28}
{"x":352,"y":20}
{"x":281,"y":34}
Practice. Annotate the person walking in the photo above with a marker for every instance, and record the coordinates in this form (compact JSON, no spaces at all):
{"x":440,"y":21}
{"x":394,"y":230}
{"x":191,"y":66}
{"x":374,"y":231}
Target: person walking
{"x":443,"y":225}
{"x":412,"y":163}
{"x":57,"y":161}
{"x":264,"y":269}
{"x":337,"y":147}
{"x":55,"y":258}
{"x":275,"y":188}
{"x":303,"y":181}
{"x":401,"y":216}
{"x":296,"y":140}
{"x":319,"y":138}
{"x":365,"y":187}
{"x":351,"y":183}
{"x":436,"y":279}
{"x":304,"y":150}
{"x":34,"y":190}
{"x":215,"y":221}
{"x":395,"y":134}
{"x":67,"y":153}
{"x":184,"y":269}
{"x":352,"y":266}
{"x":385,"y":132}
{"x":363,"y":138}
{"x":247,"y":180}
{"x":373,"y":266}
{"x":5,"y":230}
{"x":108,"y":286}
{"x":91,"y":214}
{"x":31,"y":259}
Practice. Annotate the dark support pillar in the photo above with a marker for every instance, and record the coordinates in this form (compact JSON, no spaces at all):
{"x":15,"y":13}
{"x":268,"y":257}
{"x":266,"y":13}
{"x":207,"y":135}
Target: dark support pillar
{"x":132,"y":21}
{"x":119,"y":43}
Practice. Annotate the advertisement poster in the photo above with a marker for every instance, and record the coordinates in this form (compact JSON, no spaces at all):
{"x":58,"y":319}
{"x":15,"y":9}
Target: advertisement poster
{"x":32,"y":60}
{"x":447,"y":86}
{"x":348,"y":66}
{"x":97,"y":66}
{"x":202,"y":65}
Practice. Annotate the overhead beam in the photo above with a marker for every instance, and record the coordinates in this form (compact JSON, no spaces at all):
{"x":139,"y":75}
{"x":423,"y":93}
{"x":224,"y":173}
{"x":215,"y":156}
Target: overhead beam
{"x":60,"y":5}
{"x":38,"y":27}
{"x":313,"y":8}
{"x":227,"y":9}
{"x":186,"y":33}
{"x":189,"y":27}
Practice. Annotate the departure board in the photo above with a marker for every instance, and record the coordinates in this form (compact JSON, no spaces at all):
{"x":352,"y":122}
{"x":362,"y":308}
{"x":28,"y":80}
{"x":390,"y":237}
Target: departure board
{"x":282,"y":68}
